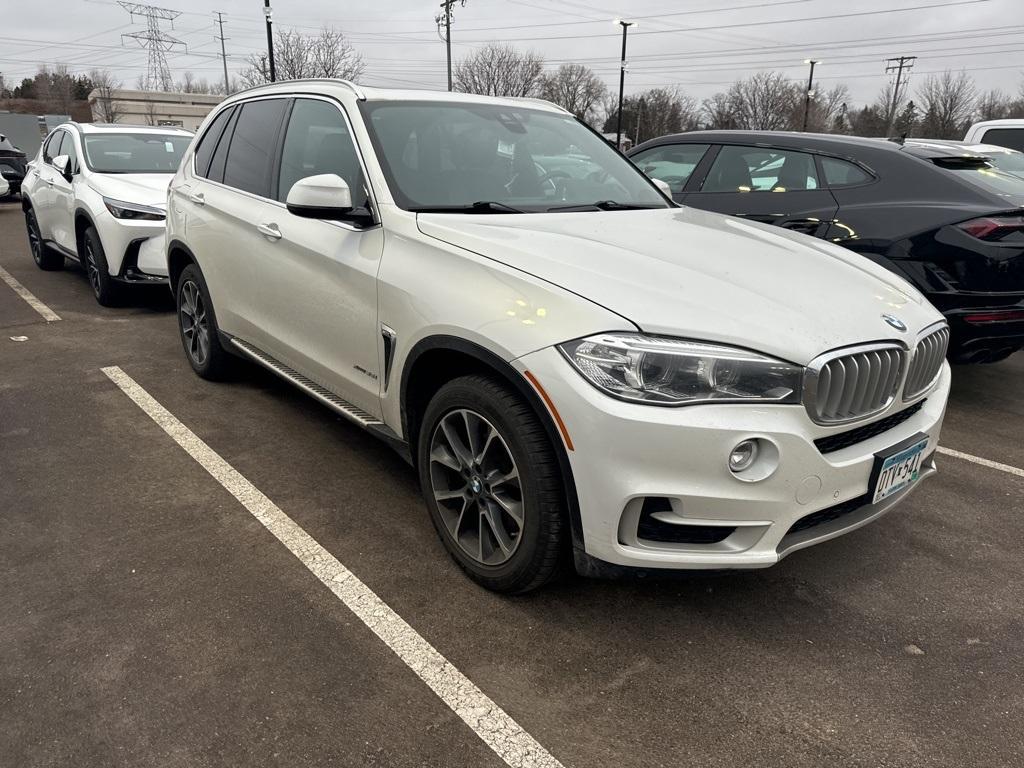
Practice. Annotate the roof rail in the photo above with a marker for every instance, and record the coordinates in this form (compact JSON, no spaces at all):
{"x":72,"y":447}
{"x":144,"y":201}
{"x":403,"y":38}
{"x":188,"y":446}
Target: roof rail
{"x":545,"y":102}
{"x":331,"y":80}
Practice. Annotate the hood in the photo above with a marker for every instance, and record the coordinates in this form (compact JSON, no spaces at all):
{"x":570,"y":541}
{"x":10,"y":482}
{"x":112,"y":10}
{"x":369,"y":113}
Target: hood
{"x":699,"y":275}
{"x":142,"y":188}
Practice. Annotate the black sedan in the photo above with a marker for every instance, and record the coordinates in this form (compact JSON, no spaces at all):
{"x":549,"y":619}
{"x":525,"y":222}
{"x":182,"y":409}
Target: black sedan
{"x":943,"y":217}
{"x":12,"y":164}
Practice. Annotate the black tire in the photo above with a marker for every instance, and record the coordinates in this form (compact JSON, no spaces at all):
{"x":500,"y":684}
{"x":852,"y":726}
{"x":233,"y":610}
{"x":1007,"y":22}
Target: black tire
{"x":45,"y":258}
{"x":208,"y":359}
{"x":539,"y":544}
{"x":94,"y":261}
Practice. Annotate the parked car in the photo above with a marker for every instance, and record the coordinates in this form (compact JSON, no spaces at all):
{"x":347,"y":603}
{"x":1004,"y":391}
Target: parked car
{"x":946,"y":220}
{"x":5,"y":188}
{"x":1003,"y":133}
{"x":12,"y":165}
{"x":578,"y":366}
{"x":1005,"y":159}
{"x":98,"y":194}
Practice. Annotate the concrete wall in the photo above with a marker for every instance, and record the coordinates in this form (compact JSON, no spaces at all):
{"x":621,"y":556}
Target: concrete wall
{"x":157,"y":107}
{"x":22,"y":130}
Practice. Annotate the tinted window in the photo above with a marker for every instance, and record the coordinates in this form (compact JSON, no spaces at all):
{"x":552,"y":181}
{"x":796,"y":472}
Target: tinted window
{"x":220,"y":155}
{"x":204,"y":152}
{"x":755,"y":169}
{"x":672,"y":163}
{"x":52,"y":146}
{"x":317,"y":141}
{"x":1005,"y":137}
{"x":68,"y":148}
{"x":839,"y":173}
{"x":117,"y":152}
{"x":253,"y":146}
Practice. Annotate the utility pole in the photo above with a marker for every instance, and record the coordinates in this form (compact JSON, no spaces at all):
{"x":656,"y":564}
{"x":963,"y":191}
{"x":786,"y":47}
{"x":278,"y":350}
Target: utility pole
{"x":622,"y":79}
{"x":898,"y":65}
{"x":270,"y":40}
{"x":223,"y":55}
{"x":444,"y":21}
{"x":810,"y":91}
{"x":639,"y":116}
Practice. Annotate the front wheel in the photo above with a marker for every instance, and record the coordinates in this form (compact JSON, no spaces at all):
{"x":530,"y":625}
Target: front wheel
{"x":94,"y":259}
{"x":44,"y":257}
{"x":492,"y":484}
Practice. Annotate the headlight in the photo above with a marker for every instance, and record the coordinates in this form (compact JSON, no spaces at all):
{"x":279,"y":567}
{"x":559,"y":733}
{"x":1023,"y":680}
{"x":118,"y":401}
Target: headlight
{"x":135,"y":211}
{"x":665,"y":371}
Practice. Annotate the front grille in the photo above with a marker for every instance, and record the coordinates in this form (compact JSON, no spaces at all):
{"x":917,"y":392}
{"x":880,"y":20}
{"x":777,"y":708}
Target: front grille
{"x":926,"y":363}
{"x":828,"y":514}
{"x":845,"y":386}
{"x":860,"y":434}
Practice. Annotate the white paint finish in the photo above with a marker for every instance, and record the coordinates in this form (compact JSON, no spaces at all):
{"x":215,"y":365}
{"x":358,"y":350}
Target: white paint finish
{"x":48,"y":314}
{"x":983,"y":462}
{"x":491,"y":723}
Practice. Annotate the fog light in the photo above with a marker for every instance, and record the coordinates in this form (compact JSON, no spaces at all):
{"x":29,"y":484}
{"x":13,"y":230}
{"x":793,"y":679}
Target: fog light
{"x":743,"y":455}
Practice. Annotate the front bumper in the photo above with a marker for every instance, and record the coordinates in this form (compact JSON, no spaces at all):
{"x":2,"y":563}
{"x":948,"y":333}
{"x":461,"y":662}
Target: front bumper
{"x":134,"y":249}
{"x":626,"y":455}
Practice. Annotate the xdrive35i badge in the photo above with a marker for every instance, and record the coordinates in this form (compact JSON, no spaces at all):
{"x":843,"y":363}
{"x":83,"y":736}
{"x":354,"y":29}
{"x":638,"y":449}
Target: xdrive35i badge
{"x":895,"y":322}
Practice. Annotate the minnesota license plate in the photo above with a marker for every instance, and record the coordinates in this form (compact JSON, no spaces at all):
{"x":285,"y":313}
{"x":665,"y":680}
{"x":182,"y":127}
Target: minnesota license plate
{"x":899,"y":467}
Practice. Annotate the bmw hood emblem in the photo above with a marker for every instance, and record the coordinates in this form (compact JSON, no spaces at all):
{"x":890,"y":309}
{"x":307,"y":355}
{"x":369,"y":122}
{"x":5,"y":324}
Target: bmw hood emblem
{"x":895,"y":322}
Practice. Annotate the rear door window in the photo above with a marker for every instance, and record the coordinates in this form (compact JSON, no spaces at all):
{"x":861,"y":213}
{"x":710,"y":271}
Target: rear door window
{"x":253,"y":146}
{"x":1005,"y":137}
{"x":671,"y":163}
{"x":760,"y":169}
{"x":208,"y":144}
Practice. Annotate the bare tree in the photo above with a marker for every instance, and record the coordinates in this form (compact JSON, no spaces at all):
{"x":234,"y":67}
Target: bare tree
{"x":190,"y":84}
{"x":3,"y":87}
{"x":717,"y":111}
{"x":824,"y":109}
{"x":107,"y":110}
{"x":575,"y":87}
{"x":56,"y":87}
{"x":763,"y":102}
{"x":499,"y":70}
{"x":151,"y":118}
{"x":993,"y":105}
{"x":298,"y":56}
{"x":947,"y":101}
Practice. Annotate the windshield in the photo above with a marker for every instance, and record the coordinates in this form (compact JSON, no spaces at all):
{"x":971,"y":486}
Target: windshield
{"x":456,"y":156}
{"x":134,"y":152}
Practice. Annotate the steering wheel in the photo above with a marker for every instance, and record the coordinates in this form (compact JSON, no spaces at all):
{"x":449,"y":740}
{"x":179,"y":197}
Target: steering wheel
{"x":557,"y":173}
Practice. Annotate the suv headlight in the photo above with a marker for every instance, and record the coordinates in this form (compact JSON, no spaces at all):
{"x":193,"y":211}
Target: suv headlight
{"x":666,"y":371}
{"x":134,"y":211}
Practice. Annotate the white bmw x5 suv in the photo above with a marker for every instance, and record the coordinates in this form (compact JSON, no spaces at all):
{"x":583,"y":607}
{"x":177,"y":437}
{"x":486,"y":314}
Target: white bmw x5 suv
{"x":97,"y":194}
{"x":576,"y":367}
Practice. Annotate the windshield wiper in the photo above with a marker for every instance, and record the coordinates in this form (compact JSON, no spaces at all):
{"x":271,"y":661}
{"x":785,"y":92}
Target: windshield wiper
{"x":604,"y":205}
{"x":481,"y":206}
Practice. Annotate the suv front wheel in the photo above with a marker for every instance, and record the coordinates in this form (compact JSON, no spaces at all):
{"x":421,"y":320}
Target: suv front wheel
{"x":492,"y":484}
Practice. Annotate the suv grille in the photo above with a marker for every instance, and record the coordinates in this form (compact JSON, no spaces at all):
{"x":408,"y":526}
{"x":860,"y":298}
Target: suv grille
{"x":845,"y":386}
{"x":860,"y":434}
{"x":926,"y":363}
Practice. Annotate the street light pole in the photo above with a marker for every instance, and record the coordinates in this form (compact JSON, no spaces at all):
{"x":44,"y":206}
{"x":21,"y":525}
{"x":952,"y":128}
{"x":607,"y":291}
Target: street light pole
{"x":270,"y":40}
{"x":622,"y":79}
{"x":810,"y":91}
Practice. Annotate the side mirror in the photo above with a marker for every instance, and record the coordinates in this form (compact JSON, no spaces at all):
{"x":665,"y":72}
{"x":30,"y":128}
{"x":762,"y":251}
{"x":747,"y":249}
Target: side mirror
{"x":63,"y":165}
{"x":664,"y":187}
{"x":325,"y":196}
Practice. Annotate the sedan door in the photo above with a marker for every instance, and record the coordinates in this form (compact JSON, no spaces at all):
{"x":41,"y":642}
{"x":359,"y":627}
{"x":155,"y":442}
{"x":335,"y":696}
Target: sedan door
{"x":774,"y":186}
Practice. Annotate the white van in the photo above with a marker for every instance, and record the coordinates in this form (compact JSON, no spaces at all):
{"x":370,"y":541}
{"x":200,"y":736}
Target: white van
{"x":1003,"y":133}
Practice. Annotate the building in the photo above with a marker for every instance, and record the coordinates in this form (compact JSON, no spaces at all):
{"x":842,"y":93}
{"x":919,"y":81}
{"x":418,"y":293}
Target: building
{"x":185,"y":110}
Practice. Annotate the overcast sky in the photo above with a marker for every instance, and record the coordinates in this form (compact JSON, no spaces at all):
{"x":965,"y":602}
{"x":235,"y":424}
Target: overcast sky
{"x":700,"y":45}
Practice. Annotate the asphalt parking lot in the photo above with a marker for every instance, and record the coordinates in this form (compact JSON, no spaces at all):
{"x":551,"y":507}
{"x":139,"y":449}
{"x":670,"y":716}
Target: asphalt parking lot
{"x":148,"y":619}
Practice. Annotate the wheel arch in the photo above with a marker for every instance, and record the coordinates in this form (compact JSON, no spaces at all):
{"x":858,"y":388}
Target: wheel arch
{"x":179,"y":256}
{"x":83,"y":220}
{"x":436,"y":360}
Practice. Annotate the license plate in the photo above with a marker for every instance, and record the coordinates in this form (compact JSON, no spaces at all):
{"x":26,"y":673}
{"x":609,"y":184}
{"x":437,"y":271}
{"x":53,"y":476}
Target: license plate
{"x":899,"y":467}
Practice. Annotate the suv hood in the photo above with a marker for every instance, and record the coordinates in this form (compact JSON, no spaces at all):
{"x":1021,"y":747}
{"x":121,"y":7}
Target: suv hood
{"x":142,"y":188}
{"x":699,"y":275}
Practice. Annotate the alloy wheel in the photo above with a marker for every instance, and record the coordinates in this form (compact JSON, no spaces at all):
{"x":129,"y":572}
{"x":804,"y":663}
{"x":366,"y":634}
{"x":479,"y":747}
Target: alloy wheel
{"x":91,"y":269}
{"x":476,"y":484}
{"x":35,"y":240}
{"x":195,"y":327}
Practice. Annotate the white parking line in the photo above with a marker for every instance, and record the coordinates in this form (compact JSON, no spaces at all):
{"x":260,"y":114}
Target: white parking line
{"x":48,"y":314}
{"x":489,"y":721}
{"x":983,"y":462}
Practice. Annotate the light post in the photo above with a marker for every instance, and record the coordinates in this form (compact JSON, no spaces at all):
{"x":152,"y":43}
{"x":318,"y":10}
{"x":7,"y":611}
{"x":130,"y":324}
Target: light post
{"x":622,"y":79}
{"x":270,"y":39}
{"x":810,"y":91}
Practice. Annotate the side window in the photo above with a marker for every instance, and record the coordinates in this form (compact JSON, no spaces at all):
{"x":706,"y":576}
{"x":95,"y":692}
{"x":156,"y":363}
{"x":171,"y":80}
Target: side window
{"x":68,"y":148}
{"x":1005,"y":137}
{"x":52,"y":147}
{"x":253,"y":146}
{"x":839,"y":173}
{"x":207,"y":144}
{"x":757,"y":169}
{"x":317,"y":141}
{"x":672,"y":163}
{"x":220,"y":155}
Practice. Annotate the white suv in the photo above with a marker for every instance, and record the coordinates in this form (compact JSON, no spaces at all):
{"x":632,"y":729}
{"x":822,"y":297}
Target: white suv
{"x":574,"y":365}
{"x":97,"y":194}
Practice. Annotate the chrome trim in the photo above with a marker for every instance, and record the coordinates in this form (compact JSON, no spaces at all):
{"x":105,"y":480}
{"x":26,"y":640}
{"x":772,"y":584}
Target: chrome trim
{"x":813,"y":375}
{"x":933,"y":342}
{"x":390,"y":338}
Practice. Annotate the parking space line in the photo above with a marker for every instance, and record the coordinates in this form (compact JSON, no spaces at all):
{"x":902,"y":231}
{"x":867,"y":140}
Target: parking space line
{"x":983,"y":462}
{"x":489,"y":721}
{"x":48,"y":314}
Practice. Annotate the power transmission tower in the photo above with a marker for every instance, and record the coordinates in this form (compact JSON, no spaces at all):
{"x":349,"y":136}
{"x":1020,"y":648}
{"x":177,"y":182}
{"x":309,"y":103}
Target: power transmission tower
{"x":158,"y":74}
{"x":898,"y":64}
{"x":223,"y":55}
{"x":444,"y":22}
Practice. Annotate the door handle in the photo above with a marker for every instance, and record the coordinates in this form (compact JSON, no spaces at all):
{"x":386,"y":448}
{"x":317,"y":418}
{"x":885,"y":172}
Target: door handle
{"x":269,"y":230}
{"x":197,"y":197}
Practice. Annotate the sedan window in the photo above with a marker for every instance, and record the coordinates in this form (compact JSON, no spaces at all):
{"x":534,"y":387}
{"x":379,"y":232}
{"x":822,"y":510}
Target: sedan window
{"x":755,"y":169}
{"x":671,"y":163}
